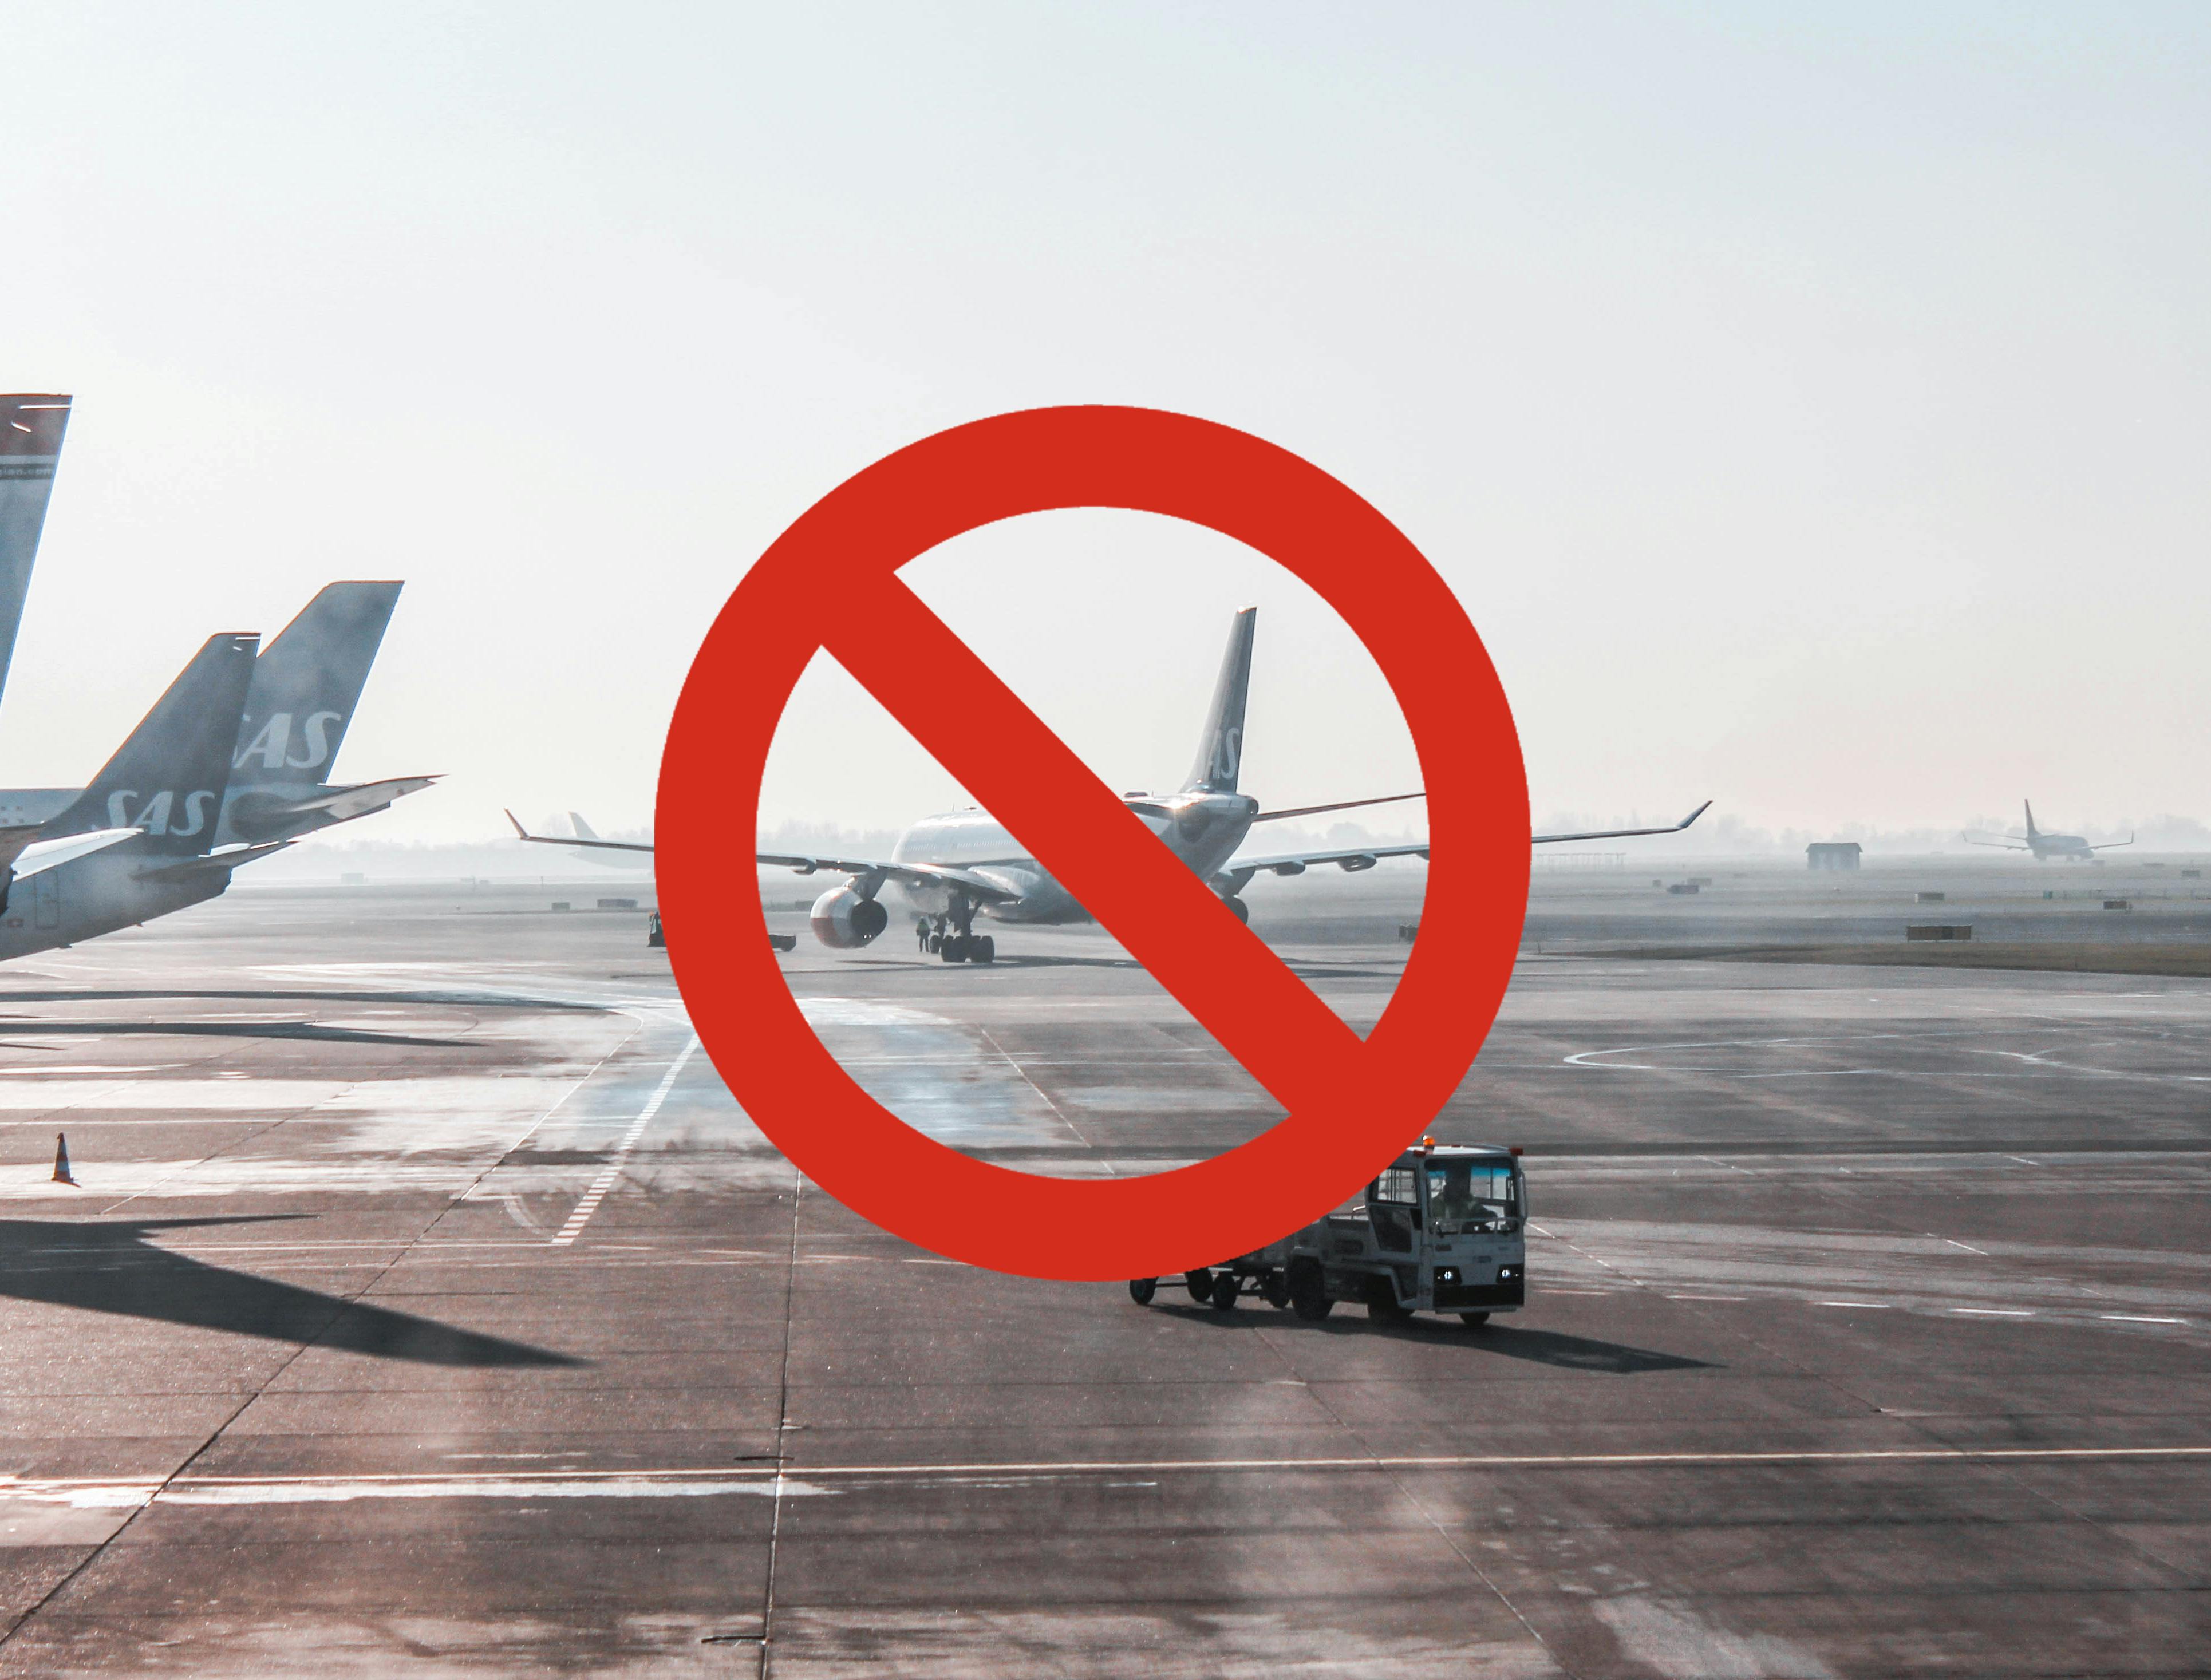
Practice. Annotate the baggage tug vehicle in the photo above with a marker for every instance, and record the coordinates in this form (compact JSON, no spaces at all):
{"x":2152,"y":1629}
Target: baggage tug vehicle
{"x":1441,"y":1230}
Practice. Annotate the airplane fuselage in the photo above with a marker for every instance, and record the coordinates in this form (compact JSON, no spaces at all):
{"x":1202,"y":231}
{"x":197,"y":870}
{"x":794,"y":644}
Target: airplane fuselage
{"x":98,"y":894}
{"x":1202,"y":830}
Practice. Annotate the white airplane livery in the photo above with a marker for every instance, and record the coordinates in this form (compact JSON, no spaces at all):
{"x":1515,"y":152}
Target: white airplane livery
{"x":2072,"y":848}
{"x":956,"y":867}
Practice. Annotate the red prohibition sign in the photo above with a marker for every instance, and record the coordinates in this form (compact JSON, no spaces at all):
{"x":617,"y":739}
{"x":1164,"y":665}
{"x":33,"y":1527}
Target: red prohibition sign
{"x":1351,"y":1104}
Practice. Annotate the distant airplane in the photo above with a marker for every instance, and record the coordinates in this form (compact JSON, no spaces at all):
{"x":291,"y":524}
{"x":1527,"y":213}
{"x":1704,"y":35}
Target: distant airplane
{"x":134,"y":844}
{"x":955,"y":866}
{"x":2071,"y":846}
{"x":306,"y":685}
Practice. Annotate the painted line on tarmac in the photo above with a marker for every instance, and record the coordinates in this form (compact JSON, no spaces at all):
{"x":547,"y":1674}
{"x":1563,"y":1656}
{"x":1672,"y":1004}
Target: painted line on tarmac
{"x":605,"y":1181}
{"x":119,"y":1492}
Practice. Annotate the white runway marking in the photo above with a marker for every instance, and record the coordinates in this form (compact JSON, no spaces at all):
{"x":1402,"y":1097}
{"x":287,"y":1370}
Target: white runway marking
{"x":132,"y":1492}
{"x":605,"y":1181}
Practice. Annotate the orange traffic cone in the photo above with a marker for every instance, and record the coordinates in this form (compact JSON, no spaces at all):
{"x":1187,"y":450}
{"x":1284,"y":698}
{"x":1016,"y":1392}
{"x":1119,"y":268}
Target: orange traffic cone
{"x":61,"y":1159}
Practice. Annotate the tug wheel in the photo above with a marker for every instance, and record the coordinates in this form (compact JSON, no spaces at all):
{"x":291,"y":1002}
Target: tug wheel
{"x":1308,"y":1292}
{"x":1474,"y":1321}
{"x":1142,"y":1289}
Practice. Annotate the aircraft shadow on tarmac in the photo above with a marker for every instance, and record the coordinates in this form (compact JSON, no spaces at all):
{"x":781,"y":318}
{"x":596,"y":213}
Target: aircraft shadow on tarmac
{"x":351,"y":994}
{"x":110,"y":1265}
{"x":298,"y":1029}
{"x":1303,"y":970}
{"x":1542,"y":1347}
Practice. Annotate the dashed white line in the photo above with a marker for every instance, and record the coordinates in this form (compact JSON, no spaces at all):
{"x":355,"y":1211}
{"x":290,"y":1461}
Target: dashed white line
{"x":2139,"y":1318}
{"x":608,"y":1175}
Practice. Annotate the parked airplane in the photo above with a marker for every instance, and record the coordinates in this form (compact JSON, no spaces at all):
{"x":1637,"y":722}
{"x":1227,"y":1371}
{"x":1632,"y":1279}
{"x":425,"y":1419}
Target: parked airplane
{"x":2070,"y":847}
{"x":31,"y":430}
{"x":954,"y":867}
{"x":134,"y":843}
{"x":306,"y":685}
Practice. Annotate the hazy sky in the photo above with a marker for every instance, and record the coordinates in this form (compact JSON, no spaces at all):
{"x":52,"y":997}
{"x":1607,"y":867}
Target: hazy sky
{"x":1809,"y":404}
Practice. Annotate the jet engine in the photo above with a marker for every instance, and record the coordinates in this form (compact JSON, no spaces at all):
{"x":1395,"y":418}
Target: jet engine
{"x":843,"y":921}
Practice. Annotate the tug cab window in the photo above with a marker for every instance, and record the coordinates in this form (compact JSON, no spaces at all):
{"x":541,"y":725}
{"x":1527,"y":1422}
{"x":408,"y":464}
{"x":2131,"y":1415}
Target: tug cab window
{"x":1473,"y":1196}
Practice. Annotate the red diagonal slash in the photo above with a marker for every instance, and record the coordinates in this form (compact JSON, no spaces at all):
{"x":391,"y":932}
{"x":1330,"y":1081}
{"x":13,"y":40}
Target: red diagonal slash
{"x":1352,"y":1105}
{"x":1119,"y":871}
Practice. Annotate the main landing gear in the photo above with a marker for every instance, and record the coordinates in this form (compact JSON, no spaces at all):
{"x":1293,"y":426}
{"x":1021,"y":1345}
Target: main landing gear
{"x":940,"y":936}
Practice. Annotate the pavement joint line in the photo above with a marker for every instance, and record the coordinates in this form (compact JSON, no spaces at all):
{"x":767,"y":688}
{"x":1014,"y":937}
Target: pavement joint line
{"x":590,"y":1205}
{"x":156,"y":1489}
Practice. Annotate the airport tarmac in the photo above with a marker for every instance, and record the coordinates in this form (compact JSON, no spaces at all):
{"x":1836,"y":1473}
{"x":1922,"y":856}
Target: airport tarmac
{"x":425,"y":1304}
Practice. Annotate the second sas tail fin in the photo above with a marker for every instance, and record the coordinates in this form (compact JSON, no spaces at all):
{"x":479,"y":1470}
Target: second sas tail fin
{"x":1221,"y":748}
{"x":168,"y":777}
{"x":306,"y":684}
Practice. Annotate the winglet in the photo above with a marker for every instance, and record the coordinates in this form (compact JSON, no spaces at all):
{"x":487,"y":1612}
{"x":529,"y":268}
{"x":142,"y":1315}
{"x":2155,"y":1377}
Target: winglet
{"x":520,"y":832}
{"x":1696,"y":813}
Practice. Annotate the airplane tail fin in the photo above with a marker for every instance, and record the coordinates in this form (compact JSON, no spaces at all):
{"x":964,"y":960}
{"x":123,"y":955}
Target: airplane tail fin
{"x":2029,"y":804}
{"x":583,"y":830}
{"x":307,"y":684}
{"x":1221,"y":749}
{"x":31,"y":428}
{"x":168,"y":777}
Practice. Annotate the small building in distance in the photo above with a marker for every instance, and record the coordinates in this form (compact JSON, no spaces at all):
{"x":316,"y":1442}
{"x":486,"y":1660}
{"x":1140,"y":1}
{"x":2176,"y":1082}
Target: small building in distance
{"x":1832,"y":854}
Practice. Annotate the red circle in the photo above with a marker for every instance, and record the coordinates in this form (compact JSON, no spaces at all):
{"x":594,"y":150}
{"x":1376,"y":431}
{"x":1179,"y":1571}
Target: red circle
{"x":1358,"y":1104}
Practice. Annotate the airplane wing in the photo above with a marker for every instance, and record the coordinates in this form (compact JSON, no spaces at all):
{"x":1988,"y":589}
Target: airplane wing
{"x":2113,"y":846}
{"x":987,"y":888}
{"x":1238,"y":870}
{"x":522,"y":833}
{"x":1341,"y":805}
{"x":1622,"y":833}
{"x":983,"y":887}
{"x":2004,"y":845}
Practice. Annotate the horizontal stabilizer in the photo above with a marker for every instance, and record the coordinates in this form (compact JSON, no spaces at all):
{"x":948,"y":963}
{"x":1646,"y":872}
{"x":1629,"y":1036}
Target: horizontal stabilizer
{"x":255,"y":814}
{"x":43,"y":854}
{"x":226,"y":860}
